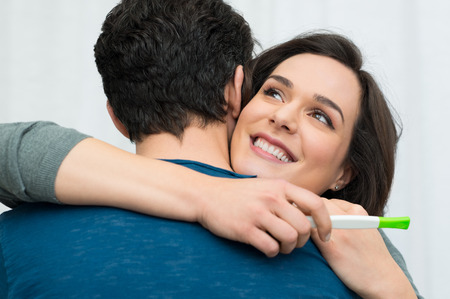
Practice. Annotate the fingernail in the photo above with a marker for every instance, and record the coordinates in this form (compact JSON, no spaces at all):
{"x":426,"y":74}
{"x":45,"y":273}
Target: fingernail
{"x":328,"y":237}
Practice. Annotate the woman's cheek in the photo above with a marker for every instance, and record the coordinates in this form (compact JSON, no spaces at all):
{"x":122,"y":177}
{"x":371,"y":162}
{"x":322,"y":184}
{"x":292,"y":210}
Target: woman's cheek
{"x":319,"y":148}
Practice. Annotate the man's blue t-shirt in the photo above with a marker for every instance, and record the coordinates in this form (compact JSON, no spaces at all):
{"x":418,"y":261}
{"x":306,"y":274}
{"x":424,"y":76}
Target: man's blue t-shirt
{"x":53,"y":251}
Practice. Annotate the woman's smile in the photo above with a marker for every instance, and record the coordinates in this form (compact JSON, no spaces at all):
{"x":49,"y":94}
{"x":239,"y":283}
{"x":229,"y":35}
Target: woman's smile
{"x":271,"y":148}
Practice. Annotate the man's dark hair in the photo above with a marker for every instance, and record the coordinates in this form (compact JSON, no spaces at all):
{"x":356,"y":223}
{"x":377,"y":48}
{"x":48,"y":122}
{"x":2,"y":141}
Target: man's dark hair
{"x":165,"y":63}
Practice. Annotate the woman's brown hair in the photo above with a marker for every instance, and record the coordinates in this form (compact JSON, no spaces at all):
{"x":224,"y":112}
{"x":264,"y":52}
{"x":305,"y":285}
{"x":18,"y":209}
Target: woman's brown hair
{"x":372,"y":149}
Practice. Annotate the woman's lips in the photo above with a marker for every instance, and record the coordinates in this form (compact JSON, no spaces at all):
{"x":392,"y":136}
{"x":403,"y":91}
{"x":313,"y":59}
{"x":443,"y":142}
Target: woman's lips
{"x":272,"y":148}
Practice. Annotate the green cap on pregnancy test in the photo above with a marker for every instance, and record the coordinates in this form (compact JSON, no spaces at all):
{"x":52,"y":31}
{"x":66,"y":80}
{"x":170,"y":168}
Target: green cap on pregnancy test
{"x":394,"y":222}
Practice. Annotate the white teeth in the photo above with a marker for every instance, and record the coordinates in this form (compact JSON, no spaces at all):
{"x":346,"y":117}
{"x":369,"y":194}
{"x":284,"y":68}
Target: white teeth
{"x":276,"y":152}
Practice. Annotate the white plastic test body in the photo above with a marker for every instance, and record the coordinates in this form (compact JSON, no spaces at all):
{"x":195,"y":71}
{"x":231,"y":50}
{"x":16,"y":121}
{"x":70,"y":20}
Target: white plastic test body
{"x":365,"y":222}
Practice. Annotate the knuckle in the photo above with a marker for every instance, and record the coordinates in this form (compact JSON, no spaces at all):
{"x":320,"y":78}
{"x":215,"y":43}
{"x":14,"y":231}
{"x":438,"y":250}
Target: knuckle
{"x":304,"y":230}
{"x":291,"y":237}
{"x":358,"y":210}
{"x":273,"y":198}
{"x":245,"y":233}
{"x":258,"y":212}
{"x":330,"y":200}
{"x":317,"y":205}
{"x":272,"y":250}
{"x":302,"y":241}
{"x":279,"y":185}
{"x":287,"y":249}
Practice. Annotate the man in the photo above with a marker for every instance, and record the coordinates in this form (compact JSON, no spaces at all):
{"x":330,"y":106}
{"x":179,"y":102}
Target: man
{"x":171,"y":74}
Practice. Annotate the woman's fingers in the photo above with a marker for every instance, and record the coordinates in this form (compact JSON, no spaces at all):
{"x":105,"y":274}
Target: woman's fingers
{"x":311,"y":204}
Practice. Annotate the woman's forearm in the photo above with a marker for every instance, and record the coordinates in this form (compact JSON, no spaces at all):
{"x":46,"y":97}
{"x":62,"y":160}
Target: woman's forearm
{"x":44,"y":162}
{"x":96,"y":173}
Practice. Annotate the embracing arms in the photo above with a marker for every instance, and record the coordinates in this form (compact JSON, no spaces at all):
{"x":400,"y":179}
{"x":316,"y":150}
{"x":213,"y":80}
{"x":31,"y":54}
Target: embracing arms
{"x":45,"y":162}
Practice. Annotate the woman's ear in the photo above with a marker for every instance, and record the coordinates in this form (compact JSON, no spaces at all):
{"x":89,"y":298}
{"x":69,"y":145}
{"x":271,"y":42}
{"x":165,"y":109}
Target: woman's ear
{"x":117,"y":123}
{"x":345,"y":177}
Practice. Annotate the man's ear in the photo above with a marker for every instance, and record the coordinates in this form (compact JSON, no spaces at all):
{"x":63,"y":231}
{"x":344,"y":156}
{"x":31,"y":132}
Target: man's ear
{"x":117,"y":123}
{"x":233,"y":94}
{"x":344,"y":178}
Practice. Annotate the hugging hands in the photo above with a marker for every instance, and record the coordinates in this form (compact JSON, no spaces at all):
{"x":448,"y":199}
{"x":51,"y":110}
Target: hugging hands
{"x":260,"y":212}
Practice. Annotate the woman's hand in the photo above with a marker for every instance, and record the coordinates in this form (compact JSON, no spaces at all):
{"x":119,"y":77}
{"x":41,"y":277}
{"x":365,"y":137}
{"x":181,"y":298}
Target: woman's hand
{"x":361,"y":259}
{"x":260,"y":212}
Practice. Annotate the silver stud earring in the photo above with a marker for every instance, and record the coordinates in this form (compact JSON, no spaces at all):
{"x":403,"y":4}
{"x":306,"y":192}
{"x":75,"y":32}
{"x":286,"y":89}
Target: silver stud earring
{"x":336,"y":187}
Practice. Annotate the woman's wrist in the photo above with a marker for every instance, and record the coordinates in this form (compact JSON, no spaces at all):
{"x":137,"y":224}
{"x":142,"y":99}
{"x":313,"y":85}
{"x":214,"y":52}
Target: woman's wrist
{"x":392,"y":283}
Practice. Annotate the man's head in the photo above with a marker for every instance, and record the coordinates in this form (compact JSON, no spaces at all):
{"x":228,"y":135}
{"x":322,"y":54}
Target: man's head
{"x":165,"y":63}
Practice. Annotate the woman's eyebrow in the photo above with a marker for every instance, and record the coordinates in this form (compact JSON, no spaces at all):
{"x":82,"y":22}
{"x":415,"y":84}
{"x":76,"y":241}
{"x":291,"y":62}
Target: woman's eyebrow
{"x":327,"y":102}
{"x":286,"y":82}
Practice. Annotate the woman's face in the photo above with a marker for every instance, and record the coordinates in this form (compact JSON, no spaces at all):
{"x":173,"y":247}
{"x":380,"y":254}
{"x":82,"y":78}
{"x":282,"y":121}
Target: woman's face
{"x":299,"y":125}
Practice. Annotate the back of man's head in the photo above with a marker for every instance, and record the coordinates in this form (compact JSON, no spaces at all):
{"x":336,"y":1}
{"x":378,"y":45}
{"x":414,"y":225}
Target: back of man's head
{"x":165,"y":63}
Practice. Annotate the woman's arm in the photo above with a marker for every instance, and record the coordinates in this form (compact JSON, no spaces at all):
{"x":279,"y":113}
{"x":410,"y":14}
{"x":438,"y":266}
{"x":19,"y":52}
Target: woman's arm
{"x":398,"y":257}
{"x":254,"y":211}
{"x":86,"y":171}
{"x":362,"y":260}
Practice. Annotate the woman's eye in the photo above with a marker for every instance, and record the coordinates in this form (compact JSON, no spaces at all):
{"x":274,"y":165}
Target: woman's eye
{"x":322,"y":117}
{"x":274,"y":94}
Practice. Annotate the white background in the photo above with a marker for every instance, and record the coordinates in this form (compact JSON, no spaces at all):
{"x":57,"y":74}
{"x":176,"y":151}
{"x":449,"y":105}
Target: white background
{"x":47,"y":72}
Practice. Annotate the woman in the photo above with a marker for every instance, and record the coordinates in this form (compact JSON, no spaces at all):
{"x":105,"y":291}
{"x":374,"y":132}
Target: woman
{"x":345,"y":168}
{"x":315,"y":118}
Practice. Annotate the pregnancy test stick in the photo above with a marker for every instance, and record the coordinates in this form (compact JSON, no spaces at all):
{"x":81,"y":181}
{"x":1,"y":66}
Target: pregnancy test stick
{"x":362,"y":222}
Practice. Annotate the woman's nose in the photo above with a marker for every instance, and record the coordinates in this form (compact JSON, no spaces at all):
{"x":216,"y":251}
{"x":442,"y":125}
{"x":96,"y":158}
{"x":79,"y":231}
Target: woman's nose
{"x":285,"y":118}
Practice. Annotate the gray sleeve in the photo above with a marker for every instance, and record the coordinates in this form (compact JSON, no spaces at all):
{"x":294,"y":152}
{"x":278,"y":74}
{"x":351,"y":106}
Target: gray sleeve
{"x":395,"y":253}
{"x":30,"y":156}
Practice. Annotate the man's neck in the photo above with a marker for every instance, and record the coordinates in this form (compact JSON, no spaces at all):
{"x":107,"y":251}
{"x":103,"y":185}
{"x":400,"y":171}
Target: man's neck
{"x":207,"y":145}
